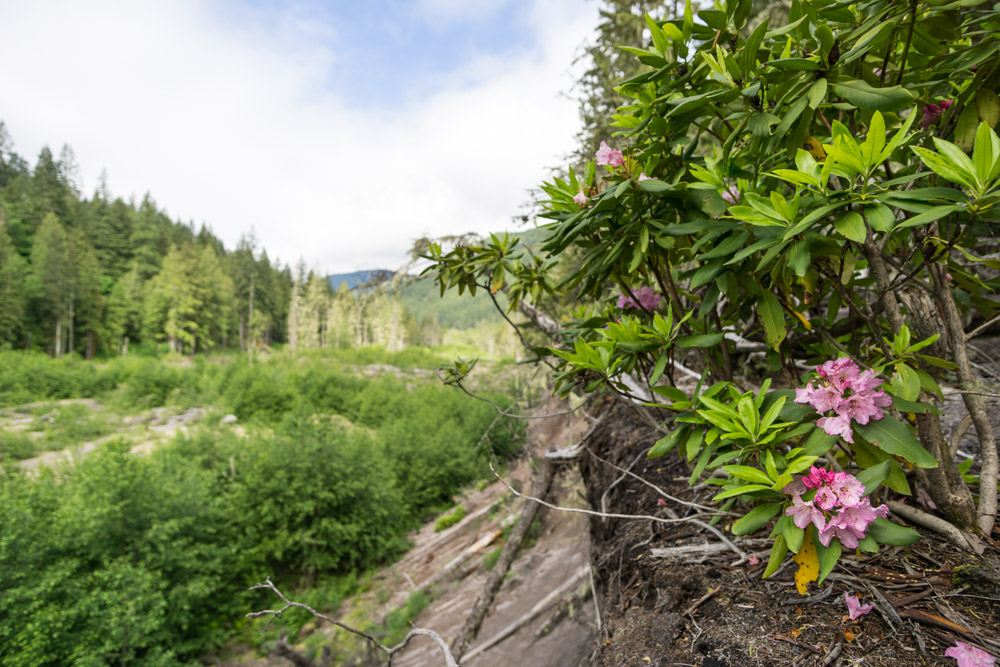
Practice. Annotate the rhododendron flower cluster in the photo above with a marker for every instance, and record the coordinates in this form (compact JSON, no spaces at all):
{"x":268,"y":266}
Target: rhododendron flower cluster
{"x":863,"y":403}
{"x":645,"y":298}
{"x":608,"y":156}
{"x":837,"y":508}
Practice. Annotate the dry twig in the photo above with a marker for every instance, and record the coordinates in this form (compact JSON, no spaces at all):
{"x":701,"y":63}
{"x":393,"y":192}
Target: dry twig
{"x":449,"y":659}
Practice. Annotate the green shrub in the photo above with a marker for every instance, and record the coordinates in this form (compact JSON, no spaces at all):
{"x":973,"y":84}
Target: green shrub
{"x":450,"y":519}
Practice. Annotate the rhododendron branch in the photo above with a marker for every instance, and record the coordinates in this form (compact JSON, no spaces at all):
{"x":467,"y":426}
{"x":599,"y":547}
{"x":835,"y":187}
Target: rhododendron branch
{"x":987,"y":510}
{"x":504,"y":413}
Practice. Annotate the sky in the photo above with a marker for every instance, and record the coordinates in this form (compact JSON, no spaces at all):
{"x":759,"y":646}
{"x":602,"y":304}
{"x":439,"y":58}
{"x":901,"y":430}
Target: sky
{"x":338,"y":131}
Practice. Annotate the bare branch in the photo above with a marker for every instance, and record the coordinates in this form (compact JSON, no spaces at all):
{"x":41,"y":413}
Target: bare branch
{"x":609,"y":515}
{"x":959,"y":538}
{"x":449,"y":659}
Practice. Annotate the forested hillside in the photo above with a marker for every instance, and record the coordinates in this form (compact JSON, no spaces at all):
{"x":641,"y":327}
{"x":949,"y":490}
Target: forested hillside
{"x":95,"y":274}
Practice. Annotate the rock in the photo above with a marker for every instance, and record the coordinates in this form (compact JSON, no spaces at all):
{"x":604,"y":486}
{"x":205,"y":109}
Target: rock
{"x":228,"y":419}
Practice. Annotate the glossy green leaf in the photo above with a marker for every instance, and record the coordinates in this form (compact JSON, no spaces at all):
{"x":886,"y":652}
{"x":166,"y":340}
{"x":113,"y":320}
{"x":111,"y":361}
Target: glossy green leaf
{"x":756,"y":518}
{"x":863,"y":96}
{"x":895,"y":437}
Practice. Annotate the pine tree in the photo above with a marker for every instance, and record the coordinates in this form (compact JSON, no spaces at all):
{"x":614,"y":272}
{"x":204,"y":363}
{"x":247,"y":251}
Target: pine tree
{"x":622,"y":24}
{"x":50,"y":257}
{"x":13,"y":271}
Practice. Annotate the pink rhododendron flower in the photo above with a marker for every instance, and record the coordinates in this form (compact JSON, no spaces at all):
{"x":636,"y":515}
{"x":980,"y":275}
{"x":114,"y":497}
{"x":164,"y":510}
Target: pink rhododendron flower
{"x":838,"y":425}
{"x":645,"y":298}
{"x":825,"y":498}
{"x":823,"y":399}
{"x":969,"y":655}
{"x":753,"y":560}
{"x":854,"y":608}
{"x":867,"y":381}
{"x":732,"y":195}
{"x":608,"y":156}
{"x":878,"y":71}
{"x":795,"y":487}
{"x":818,"y":477}
{"x":847,"y":535}
{"x":859,"y":407}
{"x":860,"y":515}
{"x":803,"y":512}
{"x":580,"y":198}
{"x":660,"y":502}
{"x":933,"y":111}
{"x":848,"y":489}
{"x":644,"y":177}
{"x":840,"y":372}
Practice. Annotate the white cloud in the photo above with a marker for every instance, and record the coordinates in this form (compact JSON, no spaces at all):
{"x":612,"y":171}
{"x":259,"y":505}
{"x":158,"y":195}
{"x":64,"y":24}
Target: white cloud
{"x":229,"y":124}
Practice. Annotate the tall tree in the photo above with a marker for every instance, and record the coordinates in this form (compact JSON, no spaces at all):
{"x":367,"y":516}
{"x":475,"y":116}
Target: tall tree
{"x":622,"y":23}
{"x":13,"y":271}
{"x":50,"y":257}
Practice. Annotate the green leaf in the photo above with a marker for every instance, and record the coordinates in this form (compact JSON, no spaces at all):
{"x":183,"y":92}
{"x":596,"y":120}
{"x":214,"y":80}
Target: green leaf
{"x":773,"y":318}
{"x":904,"y":405}
{"x":658,"y":368}
{"x":756,"y":518}
{"x":747,"y":473}
{"x":793,"y":535}
{"x":816,"y":93}
{"x":863,"y":96}
{"x":895,"y":437}
{"x":818,"y":442}
{"x":880,"y":217}
{"x":778,"y":552}
{"x":873,"y":477}
{"x":866,"y":455}
{"x":668,"y":442}
{"x":828,"y":556}
{"x":852,"y":226}
{"x":700,"y":340}
{"x":930,"y":216}
{"x":749,"y":488}
{"x":886,"y":532}
{"x":944,"y":167}
{"x":656,"y":186}
{"x":906,"y":383}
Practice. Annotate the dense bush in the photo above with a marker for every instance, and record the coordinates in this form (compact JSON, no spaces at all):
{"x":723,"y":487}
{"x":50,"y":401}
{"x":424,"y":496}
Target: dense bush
{"x":146,"y":559}
{"x":817,"y":194}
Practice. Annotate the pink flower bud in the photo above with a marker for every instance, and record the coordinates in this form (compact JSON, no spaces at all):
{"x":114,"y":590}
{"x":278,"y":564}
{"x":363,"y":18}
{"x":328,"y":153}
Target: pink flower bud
{"x":580,"y":198}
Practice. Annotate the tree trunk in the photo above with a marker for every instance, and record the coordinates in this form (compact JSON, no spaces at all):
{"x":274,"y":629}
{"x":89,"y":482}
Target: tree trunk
{"x":57,"y":347}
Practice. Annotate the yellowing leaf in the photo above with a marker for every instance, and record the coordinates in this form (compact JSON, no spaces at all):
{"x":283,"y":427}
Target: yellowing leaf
{"x":815,"y":149}
{"x":807,"y":561}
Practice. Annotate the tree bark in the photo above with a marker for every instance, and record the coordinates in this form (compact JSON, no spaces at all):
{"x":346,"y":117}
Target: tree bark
{"x":541,"y":483}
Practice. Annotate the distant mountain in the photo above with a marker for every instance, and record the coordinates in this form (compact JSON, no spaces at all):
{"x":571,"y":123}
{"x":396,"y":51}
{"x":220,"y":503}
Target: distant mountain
{"x":422,"y":299}
{"x":355,"y":278}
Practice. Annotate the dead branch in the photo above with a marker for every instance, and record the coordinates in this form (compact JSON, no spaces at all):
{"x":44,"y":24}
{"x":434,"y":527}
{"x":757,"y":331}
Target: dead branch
{"x":449,"y":659}
{"x":532,"y":613}
{"x":578,"y":510}
{"x":688,"y":551}
{"x":961,"y":539}
{"x":541,"y":483}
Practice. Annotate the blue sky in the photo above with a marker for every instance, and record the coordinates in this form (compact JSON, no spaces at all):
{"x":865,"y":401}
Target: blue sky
{"x":340,"y":131}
